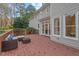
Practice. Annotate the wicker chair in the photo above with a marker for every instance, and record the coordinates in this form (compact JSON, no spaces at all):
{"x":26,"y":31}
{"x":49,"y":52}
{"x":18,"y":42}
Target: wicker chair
{"x":9,"y":45}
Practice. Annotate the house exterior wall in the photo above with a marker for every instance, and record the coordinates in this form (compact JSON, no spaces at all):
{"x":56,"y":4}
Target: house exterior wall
{"x":41,"y":15}
{"x":34,"y":22}
{"x":60,"y":10}
{"x":44,"y":13}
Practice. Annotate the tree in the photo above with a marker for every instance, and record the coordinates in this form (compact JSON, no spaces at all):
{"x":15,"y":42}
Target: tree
{"x":18,"y":23}
{"x":20,"y":9}
{"x":31,"y":8}
{"x":30,"y":11}
{"x":24,"y":14}
{"x":4,"y":13}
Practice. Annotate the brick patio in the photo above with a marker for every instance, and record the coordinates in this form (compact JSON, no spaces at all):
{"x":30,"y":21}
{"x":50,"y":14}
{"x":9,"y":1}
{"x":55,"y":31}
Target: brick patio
{"x":41,"y":46}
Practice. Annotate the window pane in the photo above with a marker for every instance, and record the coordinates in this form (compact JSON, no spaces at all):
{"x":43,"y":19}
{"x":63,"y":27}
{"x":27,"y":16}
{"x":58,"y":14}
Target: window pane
{"x":38,"y":25}
{"x":70,"y":26}
{"x":46,"y":28}
{"x":49,"y":29}
{"x":56,"y":26}
{"x":42,"y":28}
{"x":45,"y":10}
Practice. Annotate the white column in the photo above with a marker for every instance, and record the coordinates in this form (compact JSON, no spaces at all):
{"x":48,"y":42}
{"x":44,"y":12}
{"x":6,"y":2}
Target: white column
{"x":40,"y":28}
{"x":77,"y":27}
{"x":44,"y":28}
{"x":48,"y":28}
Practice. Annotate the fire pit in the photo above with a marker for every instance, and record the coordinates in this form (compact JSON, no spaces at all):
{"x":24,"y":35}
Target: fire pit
{"x":26,"y":40}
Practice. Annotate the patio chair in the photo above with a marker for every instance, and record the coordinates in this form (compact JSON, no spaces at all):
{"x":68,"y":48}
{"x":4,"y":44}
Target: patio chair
{"x":19,"y":33}
{"x":9,"y":45}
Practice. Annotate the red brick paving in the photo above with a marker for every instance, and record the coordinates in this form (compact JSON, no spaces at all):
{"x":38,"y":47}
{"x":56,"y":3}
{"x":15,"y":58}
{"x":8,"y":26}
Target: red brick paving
{"x":41,"y":46}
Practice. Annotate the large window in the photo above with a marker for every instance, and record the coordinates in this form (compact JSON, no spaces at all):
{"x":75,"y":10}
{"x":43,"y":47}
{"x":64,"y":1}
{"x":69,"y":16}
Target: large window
{"x":45,"y":10}
{"x":57,"y":26}
{"x":70,"y":26}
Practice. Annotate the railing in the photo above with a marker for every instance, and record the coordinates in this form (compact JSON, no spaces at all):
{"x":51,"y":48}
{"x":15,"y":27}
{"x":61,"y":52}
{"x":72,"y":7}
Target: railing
{"x":4,"y":31}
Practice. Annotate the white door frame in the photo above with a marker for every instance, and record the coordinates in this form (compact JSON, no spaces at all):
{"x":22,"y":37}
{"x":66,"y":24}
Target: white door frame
{"x":45,"y":29}
{"x":59,"y":25}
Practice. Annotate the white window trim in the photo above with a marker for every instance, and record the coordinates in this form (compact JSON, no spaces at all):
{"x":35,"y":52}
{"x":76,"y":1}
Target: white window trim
{"x":47,"y":28}
{"x":60,"y":27}
{"x":64,"y":27}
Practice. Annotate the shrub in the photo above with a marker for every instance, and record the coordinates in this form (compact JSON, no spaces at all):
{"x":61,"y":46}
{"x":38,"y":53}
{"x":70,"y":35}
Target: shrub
{"x":6,"y":27}
{"x":10,"y":27}
{"x":20,"y":23}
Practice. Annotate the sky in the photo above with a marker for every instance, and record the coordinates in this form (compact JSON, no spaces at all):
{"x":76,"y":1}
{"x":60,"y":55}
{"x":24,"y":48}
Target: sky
{"x":37,"y":5}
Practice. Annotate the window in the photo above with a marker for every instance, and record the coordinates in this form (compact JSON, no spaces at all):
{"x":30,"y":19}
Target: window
{"x":70,"y":26}
{"x":49,"y":29}
{"x":57,"y":26}
{"x":42,"y":28}
{"x":38,"y":25}
{"x":46,"y":29}
{"x":45,"y":10}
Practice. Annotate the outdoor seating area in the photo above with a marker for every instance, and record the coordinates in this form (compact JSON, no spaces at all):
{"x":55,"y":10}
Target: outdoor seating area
{"x":10,"y":42}
{"x":39,"y":46}
{"x":13,"y":44}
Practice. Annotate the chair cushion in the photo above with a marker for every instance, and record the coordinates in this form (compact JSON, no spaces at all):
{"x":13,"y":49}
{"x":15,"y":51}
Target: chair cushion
{"x":9,"y":37}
